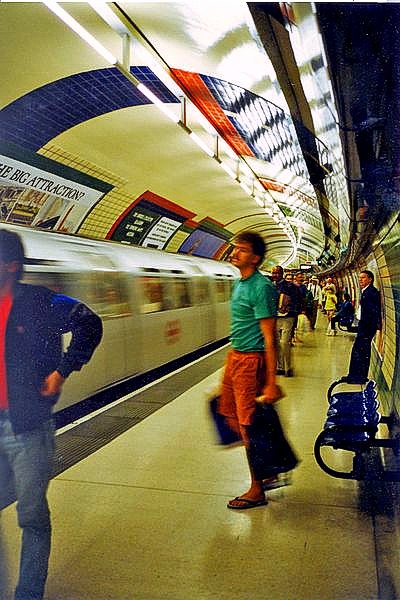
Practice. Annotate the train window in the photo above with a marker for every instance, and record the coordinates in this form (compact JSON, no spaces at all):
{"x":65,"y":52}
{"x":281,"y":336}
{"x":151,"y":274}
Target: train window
{"x":107,"y":294}
{"x":182,"y":296}
{"x":201,"y":291}
{"x":152,"y":294}
{"x":168,"y":294}
{"x":222,"y":291}
{"x":60,"y":282}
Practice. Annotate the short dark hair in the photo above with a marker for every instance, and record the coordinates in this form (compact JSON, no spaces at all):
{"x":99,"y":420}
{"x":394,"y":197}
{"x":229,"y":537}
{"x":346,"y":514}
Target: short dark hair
{"x":255,"y":240}
{"x":278,"y":268}
{"x":11,"y":249}
{"x":369,"y":274}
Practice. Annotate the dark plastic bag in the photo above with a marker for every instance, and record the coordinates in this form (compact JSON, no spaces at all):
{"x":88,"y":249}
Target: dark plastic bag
{"x":269,"y":452}
{"x":226,"y":436}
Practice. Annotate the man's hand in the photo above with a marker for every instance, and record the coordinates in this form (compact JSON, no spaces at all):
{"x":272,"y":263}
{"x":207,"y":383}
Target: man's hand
{"x":52,"y":384}
{"x":271,"y":393}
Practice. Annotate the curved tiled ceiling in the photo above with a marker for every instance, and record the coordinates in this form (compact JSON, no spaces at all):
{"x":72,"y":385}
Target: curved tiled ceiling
{"x":44,"y":113}
{"x":70,"y":99}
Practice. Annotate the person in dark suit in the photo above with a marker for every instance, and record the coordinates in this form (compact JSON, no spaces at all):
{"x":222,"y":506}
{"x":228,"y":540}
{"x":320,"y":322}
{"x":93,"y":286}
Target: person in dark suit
{"x":345,"y":314}
{"x":370,"y":321}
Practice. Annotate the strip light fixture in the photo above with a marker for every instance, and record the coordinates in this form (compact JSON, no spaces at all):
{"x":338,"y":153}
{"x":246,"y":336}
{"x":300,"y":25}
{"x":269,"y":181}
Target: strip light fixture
{"x":149,"y":94}
{"x":107,"y":14}
{"x":81,"y":31}
{"x":201,"y":144}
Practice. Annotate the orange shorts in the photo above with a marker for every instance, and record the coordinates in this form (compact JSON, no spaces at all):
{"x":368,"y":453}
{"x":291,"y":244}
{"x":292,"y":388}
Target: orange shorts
{"x":242,"y":382}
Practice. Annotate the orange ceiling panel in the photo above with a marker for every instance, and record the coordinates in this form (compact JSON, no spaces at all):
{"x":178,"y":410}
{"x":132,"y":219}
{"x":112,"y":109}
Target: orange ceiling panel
{"x":195,"y":88}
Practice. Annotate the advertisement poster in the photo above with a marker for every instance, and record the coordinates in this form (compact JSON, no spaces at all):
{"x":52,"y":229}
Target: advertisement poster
{"x":147,"y":224}
{"x":160,"y":233}
{"x":40,"y":196}
{"x":202,"y":243}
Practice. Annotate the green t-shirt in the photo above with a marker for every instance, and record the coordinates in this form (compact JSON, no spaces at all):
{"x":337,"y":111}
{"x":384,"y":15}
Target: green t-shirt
{"x":252,"y":299}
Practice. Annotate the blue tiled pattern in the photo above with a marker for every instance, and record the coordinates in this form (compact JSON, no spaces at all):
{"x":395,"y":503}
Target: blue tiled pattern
{"x":265,"y":127}
{"x":36,"y":118}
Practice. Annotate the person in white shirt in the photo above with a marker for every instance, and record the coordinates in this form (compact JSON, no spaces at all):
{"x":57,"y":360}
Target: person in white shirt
{"x":315,"y":288}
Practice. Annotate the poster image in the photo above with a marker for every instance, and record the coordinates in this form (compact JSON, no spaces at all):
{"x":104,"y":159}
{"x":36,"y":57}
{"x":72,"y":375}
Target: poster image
{"x":147,"y":225}
{"x":33,"y":196}
{"x":202,"y":243}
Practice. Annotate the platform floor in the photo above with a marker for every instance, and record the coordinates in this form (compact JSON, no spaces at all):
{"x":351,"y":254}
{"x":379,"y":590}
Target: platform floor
{"x":145,"y":517}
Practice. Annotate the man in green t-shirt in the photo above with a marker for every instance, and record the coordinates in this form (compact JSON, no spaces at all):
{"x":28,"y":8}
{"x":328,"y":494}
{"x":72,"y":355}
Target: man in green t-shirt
{"x":250,"y":370}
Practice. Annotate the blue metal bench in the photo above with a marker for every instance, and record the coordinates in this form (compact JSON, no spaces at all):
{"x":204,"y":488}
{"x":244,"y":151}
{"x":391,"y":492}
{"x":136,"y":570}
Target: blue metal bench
{"x":352,"y":424}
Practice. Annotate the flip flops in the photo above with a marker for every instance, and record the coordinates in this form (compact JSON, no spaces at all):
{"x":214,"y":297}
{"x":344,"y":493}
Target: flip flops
{"x":246,"y":503}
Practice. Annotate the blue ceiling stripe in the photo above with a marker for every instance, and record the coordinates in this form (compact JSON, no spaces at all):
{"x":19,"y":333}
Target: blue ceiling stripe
{"x":39,"y":116}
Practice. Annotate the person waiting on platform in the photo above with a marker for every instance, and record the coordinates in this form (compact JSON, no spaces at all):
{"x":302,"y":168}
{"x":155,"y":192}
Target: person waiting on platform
{"x":301,"y":309}
{"x":345,"y":316}
{"x":33,"y":369}
{"x":330,"y":306}
{"x":369,"y":321}
{"x":316,"y":292}
{"x":250,"y":368}
{"x":328,"y":282}
{"x":287,"y":311}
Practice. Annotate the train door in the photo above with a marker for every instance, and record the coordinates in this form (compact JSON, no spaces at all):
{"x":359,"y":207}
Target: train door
{"x":223,"y":288}
{"x":203,"y":301}
{"x":106,"y":290}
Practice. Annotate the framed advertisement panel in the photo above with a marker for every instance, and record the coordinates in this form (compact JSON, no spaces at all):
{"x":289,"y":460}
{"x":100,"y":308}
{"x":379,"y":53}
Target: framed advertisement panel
{"x":40,"y":192}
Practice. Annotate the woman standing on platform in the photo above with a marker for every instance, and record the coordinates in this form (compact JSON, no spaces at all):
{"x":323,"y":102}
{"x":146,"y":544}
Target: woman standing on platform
{"x":330,"y":306}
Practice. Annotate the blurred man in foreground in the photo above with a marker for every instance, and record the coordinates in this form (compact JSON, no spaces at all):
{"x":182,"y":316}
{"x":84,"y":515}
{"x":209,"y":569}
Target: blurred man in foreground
{"x":33,"y":369}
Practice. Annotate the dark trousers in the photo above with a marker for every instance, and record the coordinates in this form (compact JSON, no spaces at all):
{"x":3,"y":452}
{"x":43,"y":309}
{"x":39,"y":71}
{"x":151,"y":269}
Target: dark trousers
{"x":335,"y":319}
{"x":360,"y":356}
{"x":314,"y":313}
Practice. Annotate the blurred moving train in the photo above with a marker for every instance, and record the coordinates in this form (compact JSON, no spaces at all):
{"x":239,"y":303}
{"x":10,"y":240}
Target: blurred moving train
{"x":155,"y":306}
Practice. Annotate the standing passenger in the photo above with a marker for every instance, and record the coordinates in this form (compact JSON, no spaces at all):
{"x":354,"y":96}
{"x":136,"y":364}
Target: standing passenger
{"x":369,"y":321}
{"x":287,"y":302}
{"x":330,"y":307}
{"x":316,"y":292}
{"x":301,"y":308}
{"x":250,"y":369}
{"x":33,"y":369}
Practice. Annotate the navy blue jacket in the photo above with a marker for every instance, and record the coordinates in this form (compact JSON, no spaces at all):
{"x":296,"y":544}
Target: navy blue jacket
{"x":371,"y":318}
{"x":346,"y":313}
{"x":33,"y":349}
{"x":294,"y":298}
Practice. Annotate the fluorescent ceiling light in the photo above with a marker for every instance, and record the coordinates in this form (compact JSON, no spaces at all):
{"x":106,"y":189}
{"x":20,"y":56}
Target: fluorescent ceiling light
{"x":108,"y":15}
{"x":246,"y":170}
{"x":149,"y":94}
{"x":81,"y":31}
{"x":228,"y":170}
{"x":201,"y":144}
{"x":259,"y":185}
{"x":245,"y":187}
{"x":228,"y":149}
